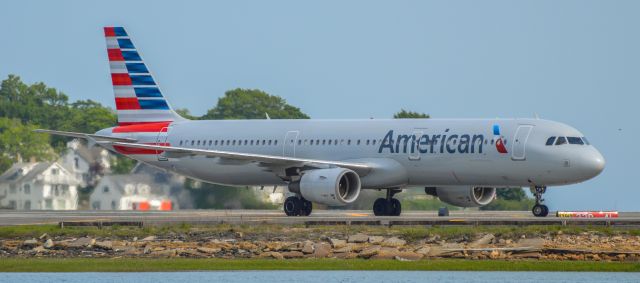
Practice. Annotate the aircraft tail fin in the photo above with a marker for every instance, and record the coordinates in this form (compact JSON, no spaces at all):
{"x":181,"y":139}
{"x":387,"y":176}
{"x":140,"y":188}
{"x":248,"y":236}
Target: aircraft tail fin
{"x":137,"y":95}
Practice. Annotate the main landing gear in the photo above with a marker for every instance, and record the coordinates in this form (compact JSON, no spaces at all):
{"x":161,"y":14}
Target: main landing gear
{"x":539,"y":210}
{"x":297,"y":206}
{"x":388,"y":206}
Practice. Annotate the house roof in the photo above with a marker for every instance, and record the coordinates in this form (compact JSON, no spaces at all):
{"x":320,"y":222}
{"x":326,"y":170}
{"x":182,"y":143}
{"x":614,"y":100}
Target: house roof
{"x":15,"y":173}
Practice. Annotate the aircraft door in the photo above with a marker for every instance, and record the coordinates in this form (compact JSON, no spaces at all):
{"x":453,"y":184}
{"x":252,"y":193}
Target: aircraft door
{"x":414,"y":150}
{"x":289,"y":144}
{"x":162,"y":140}
{"x":518,"y":150}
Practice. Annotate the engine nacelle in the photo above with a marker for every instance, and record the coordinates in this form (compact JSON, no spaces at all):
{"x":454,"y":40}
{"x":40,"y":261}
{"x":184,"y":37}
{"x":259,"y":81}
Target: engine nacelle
{"x":463,"y":196}
{"x":333,"y":187}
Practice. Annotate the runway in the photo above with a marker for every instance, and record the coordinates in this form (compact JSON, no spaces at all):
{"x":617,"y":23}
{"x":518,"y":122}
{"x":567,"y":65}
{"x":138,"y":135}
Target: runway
{"x":319,"y":217}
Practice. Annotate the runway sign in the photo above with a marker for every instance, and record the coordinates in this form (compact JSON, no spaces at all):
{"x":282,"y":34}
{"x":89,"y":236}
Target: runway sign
{"x":587,"y":214}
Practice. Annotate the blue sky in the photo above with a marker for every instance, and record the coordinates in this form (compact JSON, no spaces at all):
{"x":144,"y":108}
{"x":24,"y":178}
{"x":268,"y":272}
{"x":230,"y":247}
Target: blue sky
{"x":572,"y":61}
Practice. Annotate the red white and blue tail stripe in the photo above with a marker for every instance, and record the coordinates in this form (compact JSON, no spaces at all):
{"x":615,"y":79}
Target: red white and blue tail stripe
{"x":138,"y":97}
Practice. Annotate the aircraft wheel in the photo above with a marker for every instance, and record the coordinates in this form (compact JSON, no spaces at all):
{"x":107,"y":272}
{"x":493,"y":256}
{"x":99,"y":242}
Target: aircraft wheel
{"x":396,"y":207}
{"x":292,"y":206}
{"x":380,"y":207}
{"x":540,"y":210}
{"x":307,"y":207}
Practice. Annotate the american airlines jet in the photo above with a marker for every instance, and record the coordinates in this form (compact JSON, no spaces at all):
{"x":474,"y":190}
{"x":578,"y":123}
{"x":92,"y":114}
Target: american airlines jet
{"x":461,"y":161}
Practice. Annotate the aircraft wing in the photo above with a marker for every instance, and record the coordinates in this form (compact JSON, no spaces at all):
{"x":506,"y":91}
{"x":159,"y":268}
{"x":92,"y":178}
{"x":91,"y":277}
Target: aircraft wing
{"x":170,"y":151}
{"x":85,"y":136}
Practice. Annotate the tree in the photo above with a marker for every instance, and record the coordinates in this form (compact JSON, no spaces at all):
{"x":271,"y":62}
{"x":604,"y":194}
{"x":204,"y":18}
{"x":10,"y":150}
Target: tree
{"x":19,"y":142}
{"x":404,"y":114}
{"x":252,"y":104}
{"x":184,"y":112}
{"x":510,"y":199}
{"x":88,"y":116}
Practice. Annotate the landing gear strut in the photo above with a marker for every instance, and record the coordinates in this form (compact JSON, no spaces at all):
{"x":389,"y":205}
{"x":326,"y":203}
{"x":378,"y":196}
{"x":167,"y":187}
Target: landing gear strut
{"x":539,"y":210}
{"x":297,"y":206}
{"x":388,"y":206}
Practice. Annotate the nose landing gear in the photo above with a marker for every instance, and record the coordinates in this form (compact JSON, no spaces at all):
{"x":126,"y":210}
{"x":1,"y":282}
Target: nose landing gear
{"x":539,"y":210}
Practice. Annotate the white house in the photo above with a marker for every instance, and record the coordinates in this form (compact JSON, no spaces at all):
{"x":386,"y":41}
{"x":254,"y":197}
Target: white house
{"x":131,"y":192}
{"x":38,"y":186}
{"x":86,"y":163}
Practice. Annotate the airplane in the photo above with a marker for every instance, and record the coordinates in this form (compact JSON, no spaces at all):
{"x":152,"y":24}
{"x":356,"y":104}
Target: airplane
{"x":461,"y":161}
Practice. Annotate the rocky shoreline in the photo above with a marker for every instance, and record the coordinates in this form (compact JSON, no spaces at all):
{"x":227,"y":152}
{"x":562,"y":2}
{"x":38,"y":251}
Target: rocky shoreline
{"x":297,"y":243}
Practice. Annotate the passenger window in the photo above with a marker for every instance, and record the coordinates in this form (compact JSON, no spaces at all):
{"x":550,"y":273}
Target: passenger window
{"x":374,"y":142}
{"x":561,"y":140}
{"x":180,"y":142}
{"x":551,"y":140}
{"x":575,"y":140}
{"x":367,"y":142}
{"x":329,"y":142}
{"x":269,"y":142}
{"x":275,"y":142}
{"x":324,"y":142}
{"x":358,"y":142}
{"x":299,"y":142}
{"x":348,"y":142}
{"x":192,"y":142}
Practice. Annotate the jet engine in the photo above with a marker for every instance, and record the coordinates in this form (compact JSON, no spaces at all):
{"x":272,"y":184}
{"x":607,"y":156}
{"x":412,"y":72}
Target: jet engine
{"x":333,"y":186}
{"x":463,"y":196}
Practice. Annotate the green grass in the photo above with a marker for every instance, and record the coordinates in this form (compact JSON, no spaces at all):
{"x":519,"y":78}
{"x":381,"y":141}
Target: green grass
{"x":146,"y":265}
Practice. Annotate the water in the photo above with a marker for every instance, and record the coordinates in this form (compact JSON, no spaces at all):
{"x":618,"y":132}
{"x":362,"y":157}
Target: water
{"x":322,"y":277}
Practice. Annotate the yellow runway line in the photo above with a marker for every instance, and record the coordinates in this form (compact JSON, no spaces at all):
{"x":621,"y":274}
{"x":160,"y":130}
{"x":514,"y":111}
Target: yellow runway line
{"x":358,"y":214}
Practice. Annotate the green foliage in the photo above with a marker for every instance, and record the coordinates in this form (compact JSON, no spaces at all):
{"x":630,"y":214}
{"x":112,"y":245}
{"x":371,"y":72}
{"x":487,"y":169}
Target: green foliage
{"x":510,"y":199}
{"x":185,"y":113}
{"x":122,"y":165}
{"x":224,"y":197}
{"x":45,"y":107}
{"x":404,"y":114}
{"x":253,"y":104}
{"x":18,"y":141}
{"x":88,"y":116}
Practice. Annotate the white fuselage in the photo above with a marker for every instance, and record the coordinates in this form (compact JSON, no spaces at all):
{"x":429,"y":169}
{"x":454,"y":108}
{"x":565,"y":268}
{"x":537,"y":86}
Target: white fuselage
{"x":404,"y":152}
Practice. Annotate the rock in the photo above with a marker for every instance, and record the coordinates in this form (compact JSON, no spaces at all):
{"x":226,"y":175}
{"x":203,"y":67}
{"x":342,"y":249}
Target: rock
{"x":358,"y":238}
{"x":346,"y":249}
{"x":208,"y":250}
{"x":369,"y":251}
{"x":424,"y":250}
{"x":30,"y":243}
{"x":494,"y":254}
{"x":189,"y":253}
{"x":43,"y":236}
{"x":135,"y":239}
{"x":531,"y":242}
{"x":164,"y":253}
{"x":147,"y":249}
{"x":132,"y":251}
{"x":239,"y":234}
{"x":81,"y":243}
{"x":48,"y":244}
{"x":247,"y":246}
{"x":394,"y":242}
{"x":105,"y":245}
{"x":321,"y":250}
{"x":297,"y":246}
{"x":526,"y":255}
{"x":436,"y":251}
{"x":337,"y":243}
{"x":292,"y":254}
{"x":39,"y":249}
{"x":307,"y":248}
{"x":149,"y":239}
{"x":484,"y":240}
{"x":386,"y":253}
{"x":276,"y":255}
{"x":345,"y":255}
{"x":376,"y":239}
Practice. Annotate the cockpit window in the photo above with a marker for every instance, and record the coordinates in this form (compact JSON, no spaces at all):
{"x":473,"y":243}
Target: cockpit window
{"x":575,"y":140}
{"x":551,"y":140}
{"x":561,"y":140}
{"x":585,"y":141}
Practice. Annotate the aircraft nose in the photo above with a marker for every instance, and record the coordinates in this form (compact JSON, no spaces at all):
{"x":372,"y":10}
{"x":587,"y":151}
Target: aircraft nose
{"x":594,"y":163}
